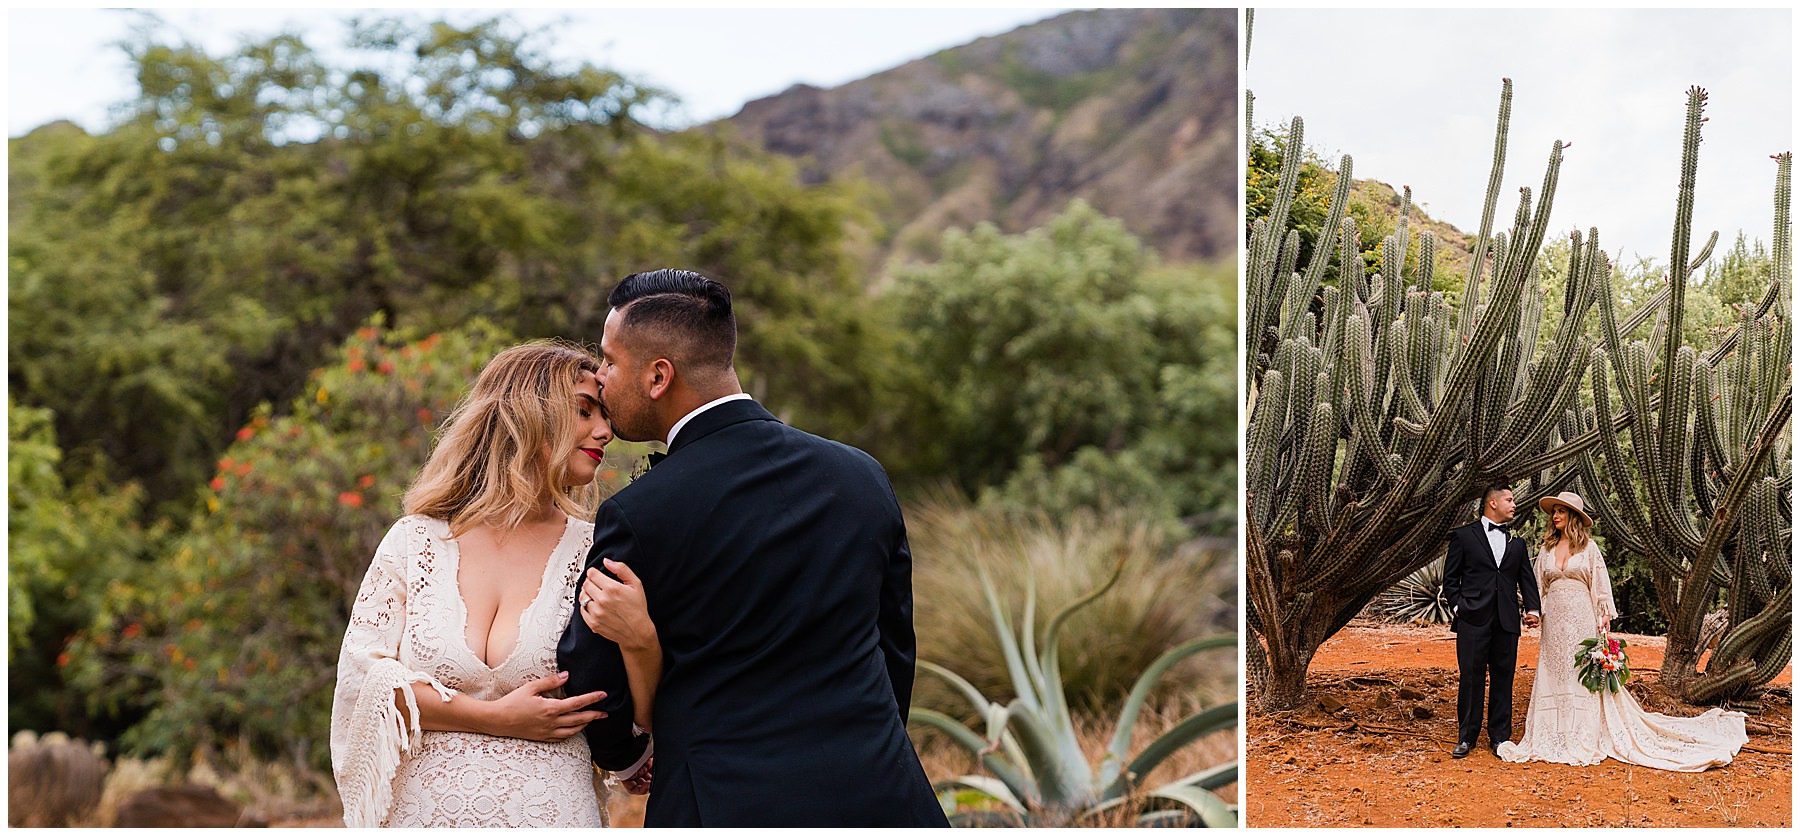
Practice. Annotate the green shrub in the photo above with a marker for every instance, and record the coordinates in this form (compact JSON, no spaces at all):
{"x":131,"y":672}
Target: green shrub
{"x":1063,"y":368}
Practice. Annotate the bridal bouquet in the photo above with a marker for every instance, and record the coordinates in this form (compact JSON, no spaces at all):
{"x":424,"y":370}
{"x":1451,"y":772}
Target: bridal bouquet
{"x":1602,"y":664}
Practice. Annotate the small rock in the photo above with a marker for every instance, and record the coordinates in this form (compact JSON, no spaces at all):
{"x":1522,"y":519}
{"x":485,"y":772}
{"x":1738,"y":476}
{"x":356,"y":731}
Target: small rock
{"x":1406,"y":693}
{"x":1382,"y":700}
{"x":1420,"y":712}
{"x":1331,"y":704}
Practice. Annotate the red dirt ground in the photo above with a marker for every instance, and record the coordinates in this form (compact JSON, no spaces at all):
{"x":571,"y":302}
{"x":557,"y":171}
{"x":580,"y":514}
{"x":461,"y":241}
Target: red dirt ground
{"x":1311,"y":768}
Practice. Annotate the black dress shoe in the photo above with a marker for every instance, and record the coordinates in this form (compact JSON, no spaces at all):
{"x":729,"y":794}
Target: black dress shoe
{"x":1461,"y":750}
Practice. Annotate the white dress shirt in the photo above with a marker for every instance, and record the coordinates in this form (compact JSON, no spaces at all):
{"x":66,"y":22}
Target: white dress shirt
{"x":676,"y":430}
{"x":1496,"y":539}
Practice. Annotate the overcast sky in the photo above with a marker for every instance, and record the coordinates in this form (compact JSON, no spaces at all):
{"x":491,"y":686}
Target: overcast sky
{"x":63,"y":63}
{"x":1413,"y":95}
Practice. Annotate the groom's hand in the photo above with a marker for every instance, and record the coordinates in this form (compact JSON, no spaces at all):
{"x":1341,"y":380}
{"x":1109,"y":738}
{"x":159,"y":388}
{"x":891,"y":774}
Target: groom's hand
{"x":1531,"y":619}
{"x":526,"y":713}
{"x":639,"y":782}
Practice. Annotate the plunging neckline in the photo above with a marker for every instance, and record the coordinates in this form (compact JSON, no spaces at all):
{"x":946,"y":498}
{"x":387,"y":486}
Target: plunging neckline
{"x":1562,"y":566}
{"x":519,"y":631}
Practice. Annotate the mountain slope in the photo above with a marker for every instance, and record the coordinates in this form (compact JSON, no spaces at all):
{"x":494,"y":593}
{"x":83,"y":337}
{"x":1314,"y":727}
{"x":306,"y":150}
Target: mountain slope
{"x":1133,"y":110}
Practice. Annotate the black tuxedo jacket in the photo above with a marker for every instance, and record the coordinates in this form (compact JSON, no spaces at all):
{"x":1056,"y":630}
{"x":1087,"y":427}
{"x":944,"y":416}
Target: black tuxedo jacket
{"x":1482,"y":592}
{"x":776,"y":569}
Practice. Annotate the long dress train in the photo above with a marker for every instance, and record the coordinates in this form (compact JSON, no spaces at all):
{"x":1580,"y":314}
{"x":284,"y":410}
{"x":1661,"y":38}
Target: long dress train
{"x":1566,"y":723}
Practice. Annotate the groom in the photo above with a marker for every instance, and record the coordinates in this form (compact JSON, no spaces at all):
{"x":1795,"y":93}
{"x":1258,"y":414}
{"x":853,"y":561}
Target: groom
{"x":776,"y":570}
{"x":1486,"y":572}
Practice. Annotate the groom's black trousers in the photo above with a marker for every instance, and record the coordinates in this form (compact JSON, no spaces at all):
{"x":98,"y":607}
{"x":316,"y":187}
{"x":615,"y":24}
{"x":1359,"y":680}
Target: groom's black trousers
{"x":1486,"y":657}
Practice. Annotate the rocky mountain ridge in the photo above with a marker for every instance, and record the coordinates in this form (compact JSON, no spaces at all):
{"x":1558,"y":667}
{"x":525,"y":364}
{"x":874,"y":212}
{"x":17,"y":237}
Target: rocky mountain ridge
{"x":1132,"y":110}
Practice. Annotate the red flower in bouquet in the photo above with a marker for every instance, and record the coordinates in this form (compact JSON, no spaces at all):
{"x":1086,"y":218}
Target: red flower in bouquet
{"x":1601,"y":663}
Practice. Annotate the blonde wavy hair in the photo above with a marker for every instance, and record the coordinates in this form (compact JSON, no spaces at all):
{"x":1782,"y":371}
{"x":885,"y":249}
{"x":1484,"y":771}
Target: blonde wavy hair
{"x":1578,"y":531}
{"x":505,"y":448}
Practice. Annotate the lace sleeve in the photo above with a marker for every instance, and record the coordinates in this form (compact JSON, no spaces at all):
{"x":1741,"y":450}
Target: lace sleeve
{"x":1601,"y":586}
{"x":369,"y":732}
{"x":1538,"y":565}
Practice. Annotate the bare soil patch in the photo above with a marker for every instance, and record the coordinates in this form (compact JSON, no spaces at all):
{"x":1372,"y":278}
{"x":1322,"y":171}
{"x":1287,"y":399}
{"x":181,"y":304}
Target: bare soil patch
{"x":1372,"y":760}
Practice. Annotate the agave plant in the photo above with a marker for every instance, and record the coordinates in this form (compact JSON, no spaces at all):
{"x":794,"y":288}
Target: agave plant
{"x":1036,"y":768}
{"x":1418,"y":596}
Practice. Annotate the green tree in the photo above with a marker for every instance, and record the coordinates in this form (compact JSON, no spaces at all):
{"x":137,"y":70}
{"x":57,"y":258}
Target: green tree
{"x":66,"y":543}
{"x":249,"y":210}
{"x":1062,"y":367}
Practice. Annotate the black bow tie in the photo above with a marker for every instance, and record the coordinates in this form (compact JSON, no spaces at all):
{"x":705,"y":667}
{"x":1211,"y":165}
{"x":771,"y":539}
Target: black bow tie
{"x":1491,"y":526}
{"x":653,"y":458}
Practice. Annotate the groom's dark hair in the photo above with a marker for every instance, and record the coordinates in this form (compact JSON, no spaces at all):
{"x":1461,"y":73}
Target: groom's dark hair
{"x":681,"y":314}
{"x":1492,"y":489}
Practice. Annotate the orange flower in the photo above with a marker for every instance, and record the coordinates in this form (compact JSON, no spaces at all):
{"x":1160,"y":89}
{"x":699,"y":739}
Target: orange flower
{"x":365,"y":333}
{"x":350,"y":498}
{"x":62,"y":660}
{"x":246,"y":434}
{"x":385,"y":367}
{"x":132,"y":631}
{"x":356,"y":365}
{"x":365,"y":481}
{"x":225,"y":464}
{"x":243,"y":469}
{"x":217,"y":484}
{"x":424,"y":415}
{"x":187,"y":664}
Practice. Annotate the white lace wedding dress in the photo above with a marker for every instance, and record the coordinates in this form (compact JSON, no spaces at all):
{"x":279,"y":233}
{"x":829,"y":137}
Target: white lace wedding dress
{"x":408,"y":625}
{"x":1566,"y":723}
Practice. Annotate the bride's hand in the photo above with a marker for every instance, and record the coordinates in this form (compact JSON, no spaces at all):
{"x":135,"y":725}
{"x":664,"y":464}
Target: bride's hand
{"x":616,"y":609}
{"x":527,"y":714}
{"x":1606,"y":625}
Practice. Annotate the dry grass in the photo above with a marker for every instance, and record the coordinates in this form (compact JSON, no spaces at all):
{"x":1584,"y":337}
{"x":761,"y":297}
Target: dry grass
{"x":53,"y":781}
{"x":1165,"y":595}
{"x":273,"y":791}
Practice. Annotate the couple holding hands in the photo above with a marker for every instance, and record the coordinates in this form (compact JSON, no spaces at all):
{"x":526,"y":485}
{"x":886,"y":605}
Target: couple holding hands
{"x":1494,"y":588}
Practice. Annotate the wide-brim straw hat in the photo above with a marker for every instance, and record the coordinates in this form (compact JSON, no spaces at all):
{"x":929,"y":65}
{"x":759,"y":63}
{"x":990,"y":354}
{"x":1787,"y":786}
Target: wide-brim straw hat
{"x":1569,"y":500}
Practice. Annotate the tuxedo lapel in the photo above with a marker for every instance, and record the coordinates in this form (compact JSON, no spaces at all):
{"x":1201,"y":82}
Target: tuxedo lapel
{"x":1515,"y":550}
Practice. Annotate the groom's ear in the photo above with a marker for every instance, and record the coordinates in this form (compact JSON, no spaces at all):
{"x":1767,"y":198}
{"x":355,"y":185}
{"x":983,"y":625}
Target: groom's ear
{"x":661,"y":377}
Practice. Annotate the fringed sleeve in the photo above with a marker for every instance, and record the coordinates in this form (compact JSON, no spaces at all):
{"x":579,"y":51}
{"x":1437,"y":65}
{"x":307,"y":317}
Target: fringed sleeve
{"x":1600,"y":586}
{"x":369,"y":733}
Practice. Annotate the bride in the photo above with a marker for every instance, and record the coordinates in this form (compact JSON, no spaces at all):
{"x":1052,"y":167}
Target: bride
{"x":449,"y":708}
{"x":1567,"y":723}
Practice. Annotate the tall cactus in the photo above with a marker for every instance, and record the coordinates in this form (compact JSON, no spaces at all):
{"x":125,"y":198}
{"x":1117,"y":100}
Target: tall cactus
{"x":1378,"y":412}
{"x":1715,"y":465}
